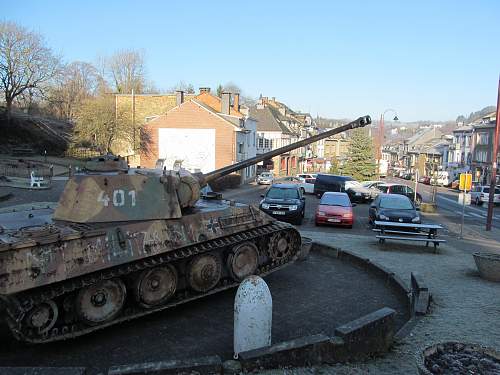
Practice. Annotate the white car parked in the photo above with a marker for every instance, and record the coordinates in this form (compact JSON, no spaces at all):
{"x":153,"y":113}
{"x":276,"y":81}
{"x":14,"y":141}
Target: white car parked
{"x":265,"y":178}
{"x":304,"y":176}
{"x":481,"y":194}
{"x":306,"y":185}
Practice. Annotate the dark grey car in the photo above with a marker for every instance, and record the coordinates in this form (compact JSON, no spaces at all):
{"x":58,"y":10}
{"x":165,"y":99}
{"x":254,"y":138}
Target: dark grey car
{"x":393,"y":207}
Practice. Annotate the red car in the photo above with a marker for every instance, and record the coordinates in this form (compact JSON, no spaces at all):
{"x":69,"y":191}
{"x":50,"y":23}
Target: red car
{"x":335,"y":208}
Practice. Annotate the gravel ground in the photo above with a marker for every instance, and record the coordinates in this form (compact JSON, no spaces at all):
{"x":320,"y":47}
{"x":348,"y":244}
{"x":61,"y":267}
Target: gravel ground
{"x":465,"y":307}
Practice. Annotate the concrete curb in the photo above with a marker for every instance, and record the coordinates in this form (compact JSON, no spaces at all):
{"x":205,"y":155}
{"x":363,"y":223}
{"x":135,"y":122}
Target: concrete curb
{"x":43,"y":370}
{"x":369,"y":335}
{"x":203,"y":366}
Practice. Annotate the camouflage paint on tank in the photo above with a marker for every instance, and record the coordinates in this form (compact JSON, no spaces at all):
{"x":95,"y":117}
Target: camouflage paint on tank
{"x":106,"y":163}
{"x":56,"y":252}
{"x":123,"y":197}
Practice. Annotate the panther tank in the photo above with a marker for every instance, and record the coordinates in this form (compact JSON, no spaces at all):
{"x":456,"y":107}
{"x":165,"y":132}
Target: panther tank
{"x":119,"y":247}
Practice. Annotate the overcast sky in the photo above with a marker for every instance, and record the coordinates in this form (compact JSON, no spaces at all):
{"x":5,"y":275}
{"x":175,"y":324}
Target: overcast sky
{"x":426,"y":59}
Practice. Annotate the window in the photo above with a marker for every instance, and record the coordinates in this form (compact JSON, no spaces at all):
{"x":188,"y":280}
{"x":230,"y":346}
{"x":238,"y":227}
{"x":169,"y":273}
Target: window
{"x":241,"y":148}
{"x":482,"y":138}
{"x":398,"y":189}
{"x":396,"y":203}
{"x":260,"y":143}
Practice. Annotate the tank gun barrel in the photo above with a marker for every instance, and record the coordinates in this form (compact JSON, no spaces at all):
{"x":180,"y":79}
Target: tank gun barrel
{"x":206,"y":178}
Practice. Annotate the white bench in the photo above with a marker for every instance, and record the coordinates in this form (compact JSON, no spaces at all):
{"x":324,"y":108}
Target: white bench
{"x":35,"y":180}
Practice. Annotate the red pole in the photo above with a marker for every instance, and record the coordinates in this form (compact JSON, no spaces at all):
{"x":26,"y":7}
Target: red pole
{"x":494,"y":157}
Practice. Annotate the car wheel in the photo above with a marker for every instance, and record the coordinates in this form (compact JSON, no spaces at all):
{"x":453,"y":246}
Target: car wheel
{"x":298,"y":221}
{"x":479,"y":202}
{"x":316,"y":223}
{"x":349,"y":227}
{"x":418,"y":201}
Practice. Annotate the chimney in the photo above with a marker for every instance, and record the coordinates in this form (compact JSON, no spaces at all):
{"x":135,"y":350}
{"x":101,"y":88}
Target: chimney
{"x":179,"y":97}
{"x":225,"y":102}
{"x":236,"y":101}
{"x":204,"y":89}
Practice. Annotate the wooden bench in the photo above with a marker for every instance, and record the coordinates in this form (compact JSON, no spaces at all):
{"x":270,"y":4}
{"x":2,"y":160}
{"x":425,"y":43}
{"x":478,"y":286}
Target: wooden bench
{"x":391,"y":231}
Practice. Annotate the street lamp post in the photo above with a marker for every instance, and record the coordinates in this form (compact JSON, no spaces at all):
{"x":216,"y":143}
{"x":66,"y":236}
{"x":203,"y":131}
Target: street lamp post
{"x":380,"y":140}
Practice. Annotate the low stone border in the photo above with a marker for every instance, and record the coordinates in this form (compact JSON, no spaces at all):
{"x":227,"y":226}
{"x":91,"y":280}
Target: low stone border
{"x":43,"y":371}
{"x":203,"y":366}
{"x":367,"y":336}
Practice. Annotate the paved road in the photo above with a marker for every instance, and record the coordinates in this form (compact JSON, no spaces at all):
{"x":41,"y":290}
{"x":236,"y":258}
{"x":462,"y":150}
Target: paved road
{"x":251,"y":194}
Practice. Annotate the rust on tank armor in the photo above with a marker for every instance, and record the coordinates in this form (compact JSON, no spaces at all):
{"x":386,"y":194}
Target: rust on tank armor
{"x":120,"y":246}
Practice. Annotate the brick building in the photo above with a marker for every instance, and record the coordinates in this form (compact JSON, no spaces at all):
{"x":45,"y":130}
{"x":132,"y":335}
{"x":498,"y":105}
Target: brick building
{"x":205,"y":133}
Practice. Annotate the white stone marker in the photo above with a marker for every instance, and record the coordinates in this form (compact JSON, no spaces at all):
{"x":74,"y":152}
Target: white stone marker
{"x":253,"y":314}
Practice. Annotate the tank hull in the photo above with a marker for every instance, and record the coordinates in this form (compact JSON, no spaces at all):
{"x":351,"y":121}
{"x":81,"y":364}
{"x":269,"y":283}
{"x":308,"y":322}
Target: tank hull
{"x":46,"y":268}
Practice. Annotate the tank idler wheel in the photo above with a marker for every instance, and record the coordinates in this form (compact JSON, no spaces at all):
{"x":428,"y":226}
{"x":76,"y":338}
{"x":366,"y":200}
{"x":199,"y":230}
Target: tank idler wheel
{"x":204,"y":272}
{"x":101,"y":302}
{"x":280,"y":245}
{"x":155,"y":286}
{"x":43,"y":317}
{"x":243,"y":260}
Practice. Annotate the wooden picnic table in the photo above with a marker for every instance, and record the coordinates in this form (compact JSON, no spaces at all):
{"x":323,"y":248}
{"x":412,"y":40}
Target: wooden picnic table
{"x":408,"y":232}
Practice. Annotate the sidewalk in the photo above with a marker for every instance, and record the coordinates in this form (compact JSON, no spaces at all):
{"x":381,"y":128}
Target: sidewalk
{"x":465,"y":307}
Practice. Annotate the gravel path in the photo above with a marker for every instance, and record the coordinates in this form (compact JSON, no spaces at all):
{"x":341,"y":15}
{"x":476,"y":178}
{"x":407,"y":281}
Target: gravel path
{"x":465,"y":307}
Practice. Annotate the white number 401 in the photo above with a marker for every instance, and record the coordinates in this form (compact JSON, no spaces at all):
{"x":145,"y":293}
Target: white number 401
{"x":118,"y":198}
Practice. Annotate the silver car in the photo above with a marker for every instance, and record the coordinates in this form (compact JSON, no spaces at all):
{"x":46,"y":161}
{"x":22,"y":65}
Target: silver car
{"x":265,"y":178}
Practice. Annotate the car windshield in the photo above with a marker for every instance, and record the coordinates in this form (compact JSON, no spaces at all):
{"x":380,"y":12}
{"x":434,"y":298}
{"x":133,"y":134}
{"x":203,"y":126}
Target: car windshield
{"x":395,"y":203}
{"x":383,"y":189}
{"x":265,"y":175}
{"x":335,"y":200}
{"x":279,"y":193}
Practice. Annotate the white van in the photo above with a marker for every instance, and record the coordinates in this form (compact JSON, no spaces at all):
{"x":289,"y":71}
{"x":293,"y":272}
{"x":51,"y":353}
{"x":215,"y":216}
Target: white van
{"x":444,"y":178}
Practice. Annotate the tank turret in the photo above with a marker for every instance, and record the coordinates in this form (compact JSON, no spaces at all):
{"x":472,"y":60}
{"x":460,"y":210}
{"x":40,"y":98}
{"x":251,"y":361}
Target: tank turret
{"x":96,"y":199}
{"x":106,"y":163}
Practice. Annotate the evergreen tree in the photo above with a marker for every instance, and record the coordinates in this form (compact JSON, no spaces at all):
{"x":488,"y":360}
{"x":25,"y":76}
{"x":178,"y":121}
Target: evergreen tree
{"x":360,"y":157}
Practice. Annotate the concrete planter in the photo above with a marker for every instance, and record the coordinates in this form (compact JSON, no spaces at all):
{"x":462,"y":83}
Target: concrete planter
{"x":430,"y":350}
{"x":488,"y":265}
{"x":305,"y":248}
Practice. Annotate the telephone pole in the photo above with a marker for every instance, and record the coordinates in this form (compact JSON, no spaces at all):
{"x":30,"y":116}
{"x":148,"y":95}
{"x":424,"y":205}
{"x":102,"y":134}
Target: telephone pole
{"x":494,"y":164}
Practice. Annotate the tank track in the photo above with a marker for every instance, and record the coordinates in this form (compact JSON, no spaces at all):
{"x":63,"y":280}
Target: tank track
{"x":22,"y":303}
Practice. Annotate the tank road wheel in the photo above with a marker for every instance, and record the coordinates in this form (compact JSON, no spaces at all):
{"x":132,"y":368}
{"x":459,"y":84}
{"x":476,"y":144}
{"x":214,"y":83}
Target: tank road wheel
{"x":204,"y":272}
{"x":243,"y":260}
{"x":281,"y":245}
{"x":155,"y":286}
{"x":42,"y":317}
{"x":101,"y":302}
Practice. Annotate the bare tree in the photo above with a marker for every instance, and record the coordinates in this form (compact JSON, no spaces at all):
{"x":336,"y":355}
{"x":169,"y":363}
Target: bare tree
{"x":126,"y":71}
{"x":188,"y":88}
{"x":26,"y":63}
{"x":78,"y":82}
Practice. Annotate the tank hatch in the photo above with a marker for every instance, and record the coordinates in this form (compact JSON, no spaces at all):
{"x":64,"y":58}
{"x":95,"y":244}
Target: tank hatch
{"x":99,"y":199}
